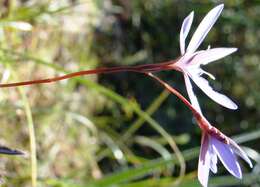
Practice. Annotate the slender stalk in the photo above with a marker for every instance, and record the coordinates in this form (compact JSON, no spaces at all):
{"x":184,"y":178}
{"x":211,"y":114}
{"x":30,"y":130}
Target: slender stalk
{"x":138,"y":69}
{"x":32,"y":138}
{"x":31,"y":130}
{"x":201,"y":120}
{"x":178,"y":94}
{"x":145,"y":69}
{"x":11,"y":5}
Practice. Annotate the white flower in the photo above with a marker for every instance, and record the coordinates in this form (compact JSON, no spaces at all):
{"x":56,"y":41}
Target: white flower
{"x":191,"y":60}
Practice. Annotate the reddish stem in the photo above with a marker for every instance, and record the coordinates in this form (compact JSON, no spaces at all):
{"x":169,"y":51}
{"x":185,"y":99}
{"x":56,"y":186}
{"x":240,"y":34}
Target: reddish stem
{"x":197,"y":115}
{"x":202,"y":122}
{"x":145,"y":69}
{"x":137,"y":69}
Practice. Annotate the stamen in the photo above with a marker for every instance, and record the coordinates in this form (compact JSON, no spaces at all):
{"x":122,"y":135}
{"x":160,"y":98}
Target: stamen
{"x":208,"y":74}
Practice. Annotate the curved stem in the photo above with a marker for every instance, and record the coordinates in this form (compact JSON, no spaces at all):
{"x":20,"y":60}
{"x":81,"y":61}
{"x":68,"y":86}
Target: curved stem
{"x":196,"y":114}
{"x":145,"y":69}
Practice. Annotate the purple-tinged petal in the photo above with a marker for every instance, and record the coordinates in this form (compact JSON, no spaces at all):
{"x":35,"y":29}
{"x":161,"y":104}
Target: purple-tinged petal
{"x":204,"y":161}
{"x":203,"y":84}
{"x":8,"y":151}
{"x":184,"y":61}
{"x":227,"y":157}
{"x":192,"y":96}
{"x":211,"y":55}
{"x":240,"y":152}
{"x":185,"y":28}
{"x":203,"y":28}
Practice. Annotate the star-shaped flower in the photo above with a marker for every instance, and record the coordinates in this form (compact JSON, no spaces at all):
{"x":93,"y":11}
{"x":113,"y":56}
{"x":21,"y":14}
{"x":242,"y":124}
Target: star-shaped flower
{"x":191,"y":60}
{"x":214,"y":145}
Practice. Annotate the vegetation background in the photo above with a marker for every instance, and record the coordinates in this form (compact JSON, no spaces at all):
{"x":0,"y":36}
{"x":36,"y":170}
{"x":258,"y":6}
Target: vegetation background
{"x":120,"y":129}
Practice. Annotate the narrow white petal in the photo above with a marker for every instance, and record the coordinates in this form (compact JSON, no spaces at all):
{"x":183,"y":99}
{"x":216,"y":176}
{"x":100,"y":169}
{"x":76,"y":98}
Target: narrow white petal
{"x":204,"y":161}
{"x":208,"y":74}
{"x":213,"y":160}
{"x":219,"y":98}
{"x":185,"y":28}
{"x":203,"y":28}
{"x":227,"y":157}
{"x":192,"y":96}
{"x":211,"y":55}
{"x":240,"y":152}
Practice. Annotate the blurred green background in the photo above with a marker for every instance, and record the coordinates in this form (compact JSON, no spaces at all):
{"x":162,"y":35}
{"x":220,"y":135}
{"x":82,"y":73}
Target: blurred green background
{"x":120,"y":129}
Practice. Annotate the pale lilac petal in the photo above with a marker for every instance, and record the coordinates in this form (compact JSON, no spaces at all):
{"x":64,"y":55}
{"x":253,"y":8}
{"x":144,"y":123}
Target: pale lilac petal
{"x":204,"y":161}
{"x":192,"y":96}
{"x":213,"y":161}
{"x":185,"y":28}
{"x":203,"y":28}
{"x":240,"y":152}
{"x":211,"y":55}
{"x":227,"y":157}
{"x":203,"y":84}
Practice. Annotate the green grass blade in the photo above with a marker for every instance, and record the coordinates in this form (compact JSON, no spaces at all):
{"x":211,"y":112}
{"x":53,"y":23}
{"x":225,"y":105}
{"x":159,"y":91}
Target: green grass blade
{"x":32,"y":137}
{"x":144,"y":169}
